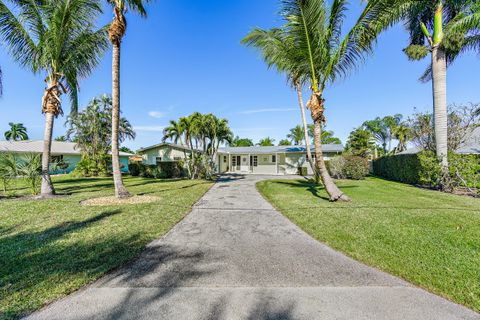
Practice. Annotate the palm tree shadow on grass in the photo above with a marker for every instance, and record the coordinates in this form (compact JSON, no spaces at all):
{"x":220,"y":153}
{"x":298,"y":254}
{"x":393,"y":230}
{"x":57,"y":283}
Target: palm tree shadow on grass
{"x":310,"y":186}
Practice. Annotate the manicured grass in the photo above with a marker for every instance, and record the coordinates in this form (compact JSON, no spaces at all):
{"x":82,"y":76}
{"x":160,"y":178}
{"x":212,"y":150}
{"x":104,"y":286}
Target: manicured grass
{"x":50,"y":248}
{"x":429,"y":238}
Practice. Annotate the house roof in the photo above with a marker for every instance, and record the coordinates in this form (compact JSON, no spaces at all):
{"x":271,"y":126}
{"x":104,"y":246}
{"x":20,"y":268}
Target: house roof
{"x":164,"y":144}
{"x":36,"y":146}
{"x":337,"y":148}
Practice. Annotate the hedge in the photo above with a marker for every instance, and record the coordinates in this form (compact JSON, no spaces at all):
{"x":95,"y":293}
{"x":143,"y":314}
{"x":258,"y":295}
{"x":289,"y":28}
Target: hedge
{"x":424,"y":169}
{"x":164,"y":170}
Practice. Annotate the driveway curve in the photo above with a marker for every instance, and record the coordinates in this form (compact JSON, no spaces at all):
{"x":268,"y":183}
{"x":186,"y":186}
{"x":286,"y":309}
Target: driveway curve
{"x":235,"y":257}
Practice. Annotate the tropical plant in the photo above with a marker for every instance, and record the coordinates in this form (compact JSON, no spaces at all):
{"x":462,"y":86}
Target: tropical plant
{"x":402,"y":133}
{"x":328,"y":136}
{"x":126,"y":150}
{"x":8,"y":169}
{"x":285,"y":142}
{"x":116,"y":33}
{"x":17,"y":132}
{"x":361,"y":143}
{"x":57,"y":39}
{"x":440,"y":28}
{"x":241,"y":142}
{"x":30,"y":169}
{"x":296,"y":135}
{"x":279,"y":50}
{"x":324,"y":58}
{"x":61,"y":139}
{"x":91,"y":129}
{"x":266,"y":142}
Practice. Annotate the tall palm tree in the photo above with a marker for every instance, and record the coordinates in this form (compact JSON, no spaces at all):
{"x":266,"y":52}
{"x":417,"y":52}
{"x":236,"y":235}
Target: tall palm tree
{"x":279,"y":50}
{"x":325,"y":57}
{"x":116,"y":33}
{"x":174,"y":132}
{"x":57,"y":39}
{"x":439,"y":28}
{"x":296,"y":135}
{"x":17,"y":132}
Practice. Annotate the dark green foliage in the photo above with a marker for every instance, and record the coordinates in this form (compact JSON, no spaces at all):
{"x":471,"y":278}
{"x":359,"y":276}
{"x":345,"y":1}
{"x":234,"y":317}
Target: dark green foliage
{"x":302,"y":171}
{"x":419,"y":169}
{"x":164,"y":170}
{"x":348,"y":167}
{"x":356,"y":168}
{"x":88,"y":167}
{"x":424,"y":169}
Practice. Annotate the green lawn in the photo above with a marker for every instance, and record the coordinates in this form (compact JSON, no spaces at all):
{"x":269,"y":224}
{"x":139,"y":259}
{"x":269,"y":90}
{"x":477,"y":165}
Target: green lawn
{"x":50,"y":248}
{"x":429,"y":238}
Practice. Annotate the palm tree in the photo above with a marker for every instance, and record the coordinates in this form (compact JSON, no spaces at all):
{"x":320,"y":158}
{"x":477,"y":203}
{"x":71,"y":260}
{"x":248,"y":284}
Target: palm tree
{"x":17,"y":132}
{"x":325,"y":57}
{"x":285,"y":142}
{"x":116,"y":32}
{"x":58,"y":40}
{"x":174,"y":132}
{"x":241,"y":142}
{"x":279,"y":50}
{"x":296,"y":135}
{"x":439,"y":28}
{"x":402,"y":133}
{"x":266,"y":142}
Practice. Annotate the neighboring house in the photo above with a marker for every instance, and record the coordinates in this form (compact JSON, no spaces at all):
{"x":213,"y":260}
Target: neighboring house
{"x":470,"y":146}
{"x":66,"y":152}
{"x":164,"y":152}
{"x":282,"y":160}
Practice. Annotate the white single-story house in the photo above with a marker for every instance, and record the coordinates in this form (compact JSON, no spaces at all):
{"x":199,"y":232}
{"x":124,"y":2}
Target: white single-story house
{"x":66,"y":152}
{"x":281,"y":160}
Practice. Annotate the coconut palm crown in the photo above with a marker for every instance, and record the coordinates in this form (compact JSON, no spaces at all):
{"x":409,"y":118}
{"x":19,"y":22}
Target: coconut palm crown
{"x":58,"y":39}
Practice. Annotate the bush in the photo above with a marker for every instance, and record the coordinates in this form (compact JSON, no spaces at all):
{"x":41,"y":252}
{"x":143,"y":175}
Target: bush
{"x":302,"y":171}
{"x":172,"y":169}
{"x":424,"y":169}
{"x":134,"y":168}
{"x":164,"y":170}
{"x":348,"y":167}
{"x":88,"y":167}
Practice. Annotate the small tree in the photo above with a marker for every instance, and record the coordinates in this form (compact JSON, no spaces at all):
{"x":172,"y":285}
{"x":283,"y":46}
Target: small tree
{"x":30,"y":169}
{"x":8,"y":169}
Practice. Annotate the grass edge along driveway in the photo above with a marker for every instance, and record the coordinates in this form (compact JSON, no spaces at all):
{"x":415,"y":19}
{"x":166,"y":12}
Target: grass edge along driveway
{"x":50,"y":248}
{"x":428,"y":238}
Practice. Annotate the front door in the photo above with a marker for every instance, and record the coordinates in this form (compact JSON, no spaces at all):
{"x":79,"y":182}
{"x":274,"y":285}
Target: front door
{"x":245,"y":165}
{"x":236,"y":162}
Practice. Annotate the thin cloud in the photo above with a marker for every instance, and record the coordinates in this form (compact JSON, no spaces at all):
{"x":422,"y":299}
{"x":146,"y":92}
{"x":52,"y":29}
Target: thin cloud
{"x":149,"y":128}
{"x":265,"y":110}
{"x":156,"y":114}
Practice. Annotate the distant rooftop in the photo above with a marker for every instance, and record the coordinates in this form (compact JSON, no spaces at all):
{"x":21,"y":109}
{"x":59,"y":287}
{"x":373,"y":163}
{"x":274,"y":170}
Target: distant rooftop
{"x":337,"y":148}
{"x":36,"y":146}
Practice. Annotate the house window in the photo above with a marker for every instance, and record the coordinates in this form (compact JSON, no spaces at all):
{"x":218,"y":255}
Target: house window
{"x":224,"y":159}
{"x":177,"y":158}
{"x":234,"y":161}
{"x":158,"y":160}
{"x":274,"y":159}
{"x":254,"y":161}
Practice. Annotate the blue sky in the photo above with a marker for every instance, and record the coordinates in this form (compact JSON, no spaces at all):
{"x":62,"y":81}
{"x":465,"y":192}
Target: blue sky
{"x":186,"y":57}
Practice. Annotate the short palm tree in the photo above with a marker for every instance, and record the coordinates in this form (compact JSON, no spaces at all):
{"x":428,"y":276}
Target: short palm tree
{"x":266,"y":142}
{"x":17,"y":132}
{"x":296,"y":135}
{"x":116,"y":33}
{"x":58,"y":39}
{"x":325,"y":57}
{"x":441,"y":28}
{"x":402,"y":133}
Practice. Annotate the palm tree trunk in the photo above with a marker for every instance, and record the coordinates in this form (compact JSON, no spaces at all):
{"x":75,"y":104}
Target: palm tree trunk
{"x":333,"y":191}
{"x":47,"y":189}
{"x":120,"y":190}
{"x":305,"y":129}
{"x":439,"y":74}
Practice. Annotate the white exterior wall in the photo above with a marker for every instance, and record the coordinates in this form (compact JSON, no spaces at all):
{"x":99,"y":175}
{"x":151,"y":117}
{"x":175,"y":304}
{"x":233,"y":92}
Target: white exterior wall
{"x":167,"y":153}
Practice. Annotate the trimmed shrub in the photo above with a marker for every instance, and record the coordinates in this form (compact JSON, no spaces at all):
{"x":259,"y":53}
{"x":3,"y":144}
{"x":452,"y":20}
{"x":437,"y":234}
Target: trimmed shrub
{"x":356,"y":168}
{"x":348,"y":167}
{"x":171,"y":169}
{"x":424,"y":169}
{"x":134,"y":168}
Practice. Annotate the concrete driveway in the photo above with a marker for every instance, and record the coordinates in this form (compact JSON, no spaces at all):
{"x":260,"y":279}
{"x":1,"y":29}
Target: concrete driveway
{"x":235,"y":257}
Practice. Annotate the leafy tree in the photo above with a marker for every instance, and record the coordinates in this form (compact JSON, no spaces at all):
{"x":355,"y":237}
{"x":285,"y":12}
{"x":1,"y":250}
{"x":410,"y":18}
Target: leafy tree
{"x":285,"y":142}
{"x":17,"y":132}
{"x":91,"y":130}
{"x":361,"y":142}
{"x":266,"y":142}
{"x":439,"y":28}
{"x":116,"y":33}
{"x":56,"y":39}
{"x":296,"y":135}
{"x":241,"y":142}
{"x":127,"y":150}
